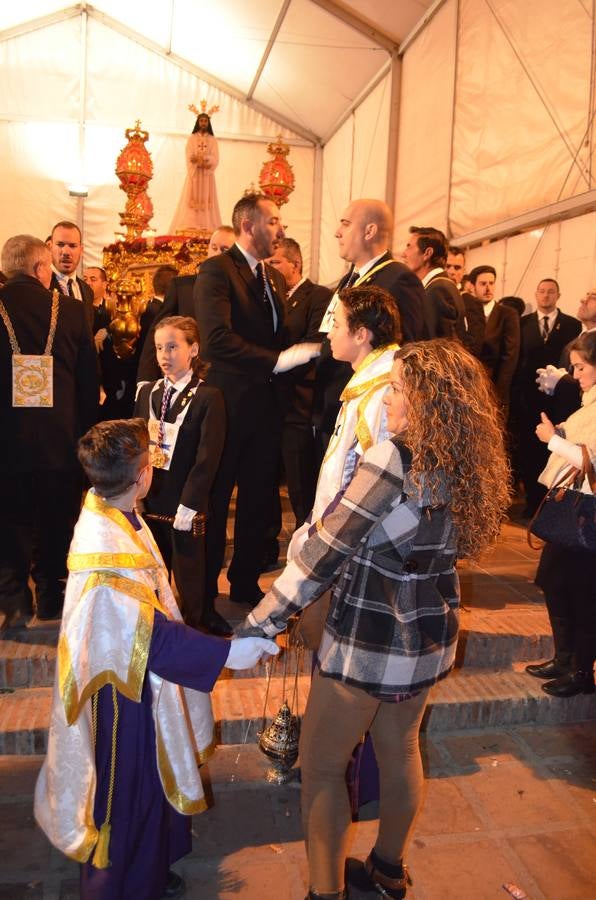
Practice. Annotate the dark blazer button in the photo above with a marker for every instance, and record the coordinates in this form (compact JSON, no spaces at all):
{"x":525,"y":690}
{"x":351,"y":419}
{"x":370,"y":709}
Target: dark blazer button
{"x":410,"y":566}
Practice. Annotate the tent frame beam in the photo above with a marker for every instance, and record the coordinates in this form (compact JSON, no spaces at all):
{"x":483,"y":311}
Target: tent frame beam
{"x":393,"y":142}
{"x":189,"y":67}
{"x":32,"y":25}
{"x":362,"y":96}
{"x":88,"y":9}
{"x":535,"y":218}
{"x":270,"y":43}
{"x":358,"y":23}
{"x":420,"y":25}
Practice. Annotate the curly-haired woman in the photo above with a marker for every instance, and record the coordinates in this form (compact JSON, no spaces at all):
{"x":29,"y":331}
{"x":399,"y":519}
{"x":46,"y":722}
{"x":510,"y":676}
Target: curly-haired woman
{"x":418,"y":502}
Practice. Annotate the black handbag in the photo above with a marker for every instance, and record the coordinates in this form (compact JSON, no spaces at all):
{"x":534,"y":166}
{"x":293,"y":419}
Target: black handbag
{"x":567,"y":516}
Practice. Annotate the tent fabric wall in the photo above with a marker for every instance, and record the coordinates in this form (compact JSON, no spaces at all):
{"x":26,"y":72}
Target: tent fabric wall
{"x":564,"y":250}
{"x":520,"y":76}
{"x":354,"y":165}
{"x":424,"y":147}
{"x":63,"y":121}
{"x":523,"y":108}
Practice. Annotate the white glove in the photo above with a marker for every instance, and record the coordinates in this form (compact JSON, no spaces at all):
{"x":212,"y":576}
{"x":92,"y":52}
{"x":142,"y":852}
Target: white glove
{"x":246,"y":652}
{"x":99,"y":338}
{"x":549,"y":378}
{"x":296,"y":355}
{"x":184,"y":517}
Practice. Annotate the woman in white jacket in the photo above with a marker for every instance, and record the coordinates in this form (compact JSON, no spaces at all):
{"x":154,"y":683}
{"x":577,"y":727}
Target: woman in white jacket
{"x":567,"y":577}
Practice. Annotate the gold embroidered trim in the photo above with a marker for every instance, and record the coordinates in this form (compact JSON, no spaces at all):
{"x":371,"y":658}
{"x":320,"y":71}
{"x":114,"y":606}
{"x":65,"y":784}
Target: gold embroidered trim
{"x":202,"y":756}
{"x":79,"y":562}
{"x":98,"y":505}
{"x":83,"y":851}
{"x":364,"y":278}
{"x":175,"y":796}
{"x":363,"y":432}
{"x":350,"y":392}
{"x":72,"y":699}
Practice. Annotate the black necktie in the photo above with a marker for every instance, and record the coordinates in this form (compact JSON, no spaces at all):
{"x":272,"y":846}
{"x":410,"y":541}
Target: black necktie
{"x":352,"y":278}
{"x":70,"y":288}
{"x":262,"y":282}
{"x":545,"y":329}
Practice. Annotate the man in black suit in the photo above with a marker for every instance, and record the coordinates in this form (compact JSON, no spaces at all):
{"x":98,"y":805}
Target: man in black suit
{"x":544,"y":334}
{"x":305,"y":306}
{"x":364,"y":236}
{"x":178,"y":301}
{"x":40,"y":479}
{"x":474,"y":316}
{"x":66,"y":248}
{"x":426,"y":255}
{"x":499,"y":349}
{"x":239,"y":307}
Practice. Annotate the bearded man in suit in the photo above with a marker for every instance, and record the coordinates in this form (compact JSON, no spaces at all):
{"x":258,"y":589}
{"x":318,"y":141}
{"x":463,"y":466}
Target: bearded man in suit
{"x":239,"y":307}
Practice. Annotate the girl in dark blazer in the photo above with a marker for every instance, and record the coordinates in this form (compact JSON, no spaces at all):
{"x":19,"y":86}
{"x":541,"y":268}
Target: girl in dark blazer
{"x":186,"y":420}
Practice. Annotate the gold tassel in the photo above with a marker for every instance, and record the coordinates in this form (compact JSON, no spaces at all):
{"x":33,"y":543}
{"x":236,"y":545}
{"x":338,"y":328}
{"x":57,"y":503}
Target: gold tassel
{"x":100,"y":857}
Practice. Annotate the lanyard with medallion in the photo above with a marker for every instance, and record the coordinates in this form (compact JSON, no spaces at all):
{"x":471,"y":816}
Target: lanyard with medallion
{"x":163,"y":435}
{"x":32,"y":375}
{"x":328,"y":318}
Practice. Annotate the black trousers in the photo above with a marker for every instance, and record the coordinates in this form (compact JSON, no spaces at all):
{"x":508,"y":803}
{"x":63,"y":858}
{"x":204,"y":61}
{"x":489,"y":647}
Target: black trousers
{"x":184,"y":555}
{"x":568,"y":579}
{"x":298,"y":455}
{"x":38,"y":512}
{"x":250,"y":461}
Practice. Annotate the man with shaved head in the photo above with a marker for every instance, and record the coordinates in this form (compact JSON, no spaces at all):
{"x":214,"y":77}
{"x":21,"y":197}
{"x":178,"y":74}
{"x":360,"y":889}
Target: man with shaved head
{"x":364,"y":239}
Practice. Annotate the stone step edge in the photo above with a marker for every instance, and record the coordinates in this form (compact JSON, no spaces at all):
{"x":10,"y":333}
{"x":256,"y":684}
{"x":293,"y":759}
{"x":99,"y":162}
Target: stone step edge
{"x":479,"y":700}
{"x":476,"y":648}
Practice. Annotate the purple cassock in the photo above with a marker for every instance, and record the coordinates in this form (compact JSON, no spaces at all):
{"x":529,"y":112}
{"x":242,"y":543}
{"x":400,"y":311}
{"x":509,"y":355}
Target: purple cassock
{"x":147,"y":833}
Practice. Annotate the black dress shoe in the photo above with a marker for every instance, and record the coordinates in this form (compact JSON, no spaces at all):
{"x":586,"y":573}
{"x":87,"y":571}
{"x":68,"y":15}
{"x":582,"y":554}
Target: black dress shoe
{"x":251,"y":598}
{"x":569,"y":685}
{"x":49,"y":614}
{"x":216,"y":624}
{"x":553,"y":668}
{"x":175,"y":886}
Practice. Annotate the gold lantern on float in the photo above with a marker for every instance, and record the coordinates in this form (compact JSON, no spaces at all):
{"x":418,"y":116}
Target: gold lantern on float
{"x":276,"y":178}
{"x":134,"y":169}
{"x":125,"y":326}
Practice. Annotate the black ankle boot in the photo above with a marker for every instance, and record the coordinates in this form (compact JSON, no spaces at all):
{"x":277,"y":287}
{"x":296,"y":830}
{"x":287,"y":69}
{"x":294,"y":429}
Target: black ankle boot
{"x":578,"y":682}
{"x":378,"y":875}
{"x":553,"y":668}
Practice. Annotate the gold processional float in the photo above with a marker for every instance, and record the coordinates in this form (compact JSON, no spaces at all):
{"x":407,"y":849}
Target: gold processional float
{"x":129,"y":264}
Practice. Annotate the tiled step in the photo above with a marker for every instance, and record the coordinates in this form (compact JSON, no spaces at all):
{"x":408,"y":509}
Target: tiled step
{"x":472,"y":698}
{"x":488,"y":639}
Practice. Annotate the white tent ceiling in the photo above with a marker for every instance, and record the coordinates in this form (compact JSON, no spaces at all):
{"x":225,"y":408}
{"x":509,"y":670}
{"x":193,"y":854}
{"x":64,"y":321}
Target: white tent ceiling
{"x":303,"y":63}
{"x":475,"y":116}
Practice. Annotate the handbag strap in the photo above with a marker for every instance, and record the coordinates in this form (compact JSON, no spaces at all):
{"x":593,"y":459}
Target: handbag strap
{"x":587,"y":470}
{"x":567,"y":480}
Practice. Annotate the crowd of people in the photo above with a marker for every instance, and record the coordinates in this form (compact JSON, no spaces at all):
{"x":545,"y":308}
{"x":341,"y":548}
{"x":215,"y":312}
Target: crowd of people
{"x":396,"y":406}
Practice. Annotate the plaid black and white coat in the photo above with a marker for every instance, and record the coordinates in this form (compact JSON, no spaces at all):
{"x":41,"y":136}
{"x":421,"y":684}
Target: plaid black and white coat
{"x":390,"y":559}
